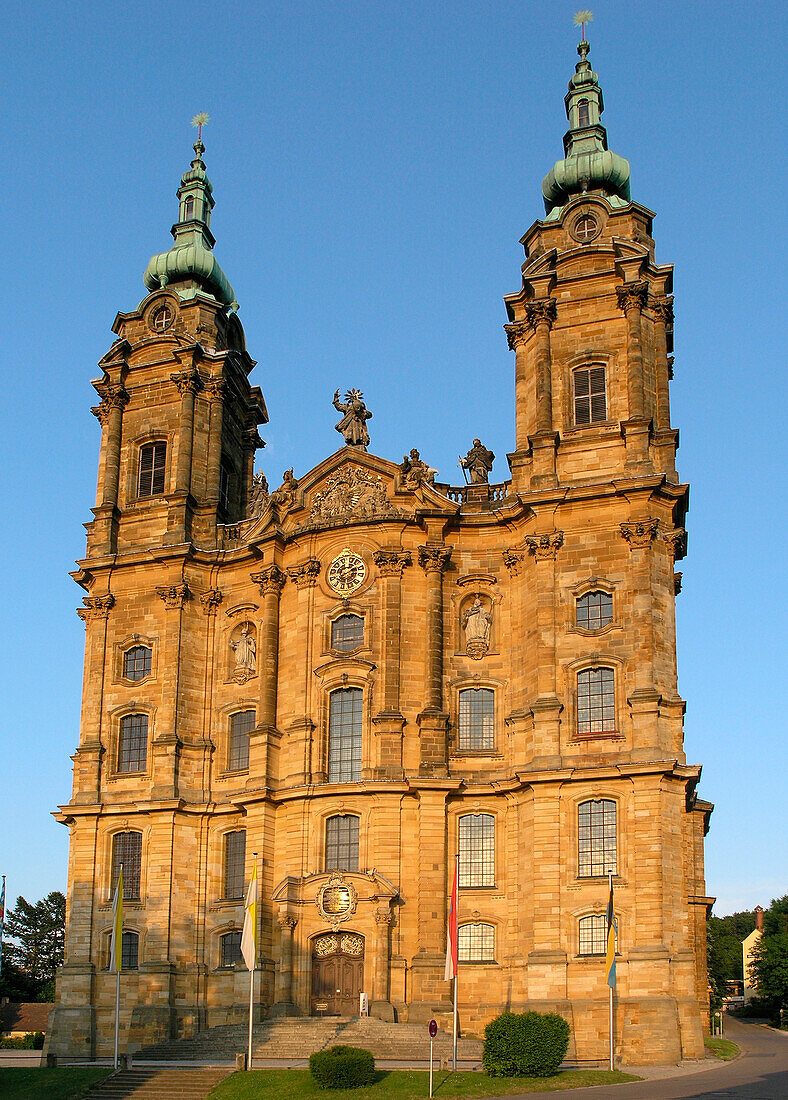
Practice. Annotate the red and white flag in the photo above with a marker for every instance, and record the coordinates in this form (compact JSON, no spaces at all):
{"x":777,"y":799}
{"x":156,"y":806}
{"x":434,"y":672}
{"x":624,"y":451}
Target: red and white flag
{"x":452,"y":947}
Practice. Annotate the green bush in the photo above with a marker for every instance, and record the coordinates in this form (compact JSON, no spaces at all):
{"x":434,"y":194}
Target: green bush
{"x":32,"y":1041}
{"x":525,"y":1044}
{"x":342,"y":1067}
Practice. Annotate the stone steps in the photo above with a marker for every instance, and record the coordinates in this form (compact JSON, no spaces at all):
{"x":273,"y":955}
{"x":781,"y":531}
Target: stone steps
{"x":158,"y":1084}
{"x":296,"y":1038}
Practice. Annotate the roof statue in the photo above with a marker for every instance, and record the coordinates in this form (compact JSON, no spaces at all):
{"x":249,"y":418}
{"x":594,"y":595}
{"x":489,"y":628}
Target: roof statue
{"x":353,"y":424}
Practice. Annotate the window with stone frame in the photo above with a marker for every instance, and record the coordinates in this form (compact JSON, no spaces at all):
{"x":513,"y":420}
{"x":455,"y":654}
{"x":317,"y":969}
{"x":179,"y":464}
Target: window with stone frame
{"x":129,"y":951}
{"x":590,"y":400}
{"x":137,"y":662}
{"x":595,"y":610}
{"x":476,"y":943}
{"x":477,"y":850}
{"x":592,"y":934}
{"x":133,"y":743}
{"x":241,"y":725}
{"x":153,"y":461}
{"x":344,"y":735}
{"x":225,"y":485}
{"x":597,"y":838}
{"x":476,"y":730}
{"x":342,"y":838}
{"x":347,"y":633}
{"x":127,"y":851}
{"x":596,"y":701}
{"x":231,"y":949}
{"x":234,"y":864}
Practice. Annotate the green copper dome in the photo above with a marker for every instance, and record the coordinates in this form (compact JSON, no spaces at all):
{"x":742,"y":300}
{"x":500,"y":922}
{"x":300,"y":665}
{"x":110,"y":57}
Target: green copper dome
{"x":191,"y":259}
{"x":588,"y":164}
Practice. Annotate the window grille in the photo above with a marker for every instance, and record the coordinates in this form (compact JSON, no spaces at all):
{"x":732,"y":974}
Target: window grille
{"x":590,"y":399}
{"x":347,"y":632}
{"x":477,"y":850}
{"x":344,"y":736}
{"x":231,"y":948}
{"x":476,"y":943}
{"x":593,"y":935}
{"x":137,"y":662}
{"x":596,"y":701}
{"x":595,"y":610}
{"x":133,"y":743}
{"x":129,"y":951}
{"x":477,"y":719}
{"x":342,"y":843}
{"x":127,"y":850}
{"x":153,"y":458}
{"x":596,"y":838}
{"x":234,"y":862}
{"x":241,"y":724}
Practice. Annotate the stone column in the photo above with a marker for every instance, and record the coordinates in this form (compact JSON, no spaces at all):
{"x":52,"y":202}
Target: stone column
{"x":189,"y":384}
{"x":250,"y":441}
{"x":271,"y":582}
{"x":632,"y":298}
{"x":389,"y":722}
{"x":380,"y":1001}
{"x":517,"y":335}
{"x":644,"y":699}
{"x":166,"y":746}
{"x":519,"y":721}
{"x":665,"y":438}
{"x":216,"y":389}
{"x":109,"y":413}
{"x":433,"y":719}
{"x":284,"y":1004}
{"x":547,"y":707}
{"x":87,"y":758}
{"x":540,"y":314}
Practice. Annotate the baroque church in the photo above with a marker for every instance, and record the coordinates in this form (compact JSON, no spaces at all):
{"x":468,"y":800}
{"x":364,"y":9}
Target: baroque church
{"x":364,"y":671}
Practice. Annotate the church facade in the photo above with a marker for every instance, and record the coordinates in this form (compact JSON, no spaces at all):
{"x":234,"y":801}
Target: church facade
{"x":365,"y":671}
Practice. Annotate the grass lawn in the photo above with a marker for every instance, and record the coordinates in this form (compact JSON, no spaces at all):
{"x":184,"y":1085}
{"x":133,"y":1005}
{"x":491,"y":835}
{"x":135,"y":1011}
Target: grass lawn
{"x":297,"y":1084}
{"x":64,"y":1083}
{"x":721,"y":1048}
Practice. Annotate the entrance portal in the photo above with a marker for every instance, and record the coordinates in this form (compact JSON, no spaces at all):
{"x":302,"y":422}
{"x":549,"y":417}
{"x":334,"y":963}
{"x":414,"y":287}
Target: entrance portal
{"x":337,"y":974}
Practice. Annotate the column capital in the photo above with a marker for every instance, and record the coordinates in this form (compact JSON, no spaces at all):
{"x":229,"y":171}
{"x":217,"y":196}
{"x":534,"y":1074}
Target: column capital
{"x":632,"y":297}
{"x":513,"y":559}
{"x":210,"y":600}
{"x":174,"y":595}
{"x":112,"y":397}
{"x":662,"y":308}
{"x":383,"y":917}
{"x":517,"y":333}
{"x":677,"y":541}
{"x":305,"y":575}
{"x":287,"y":922}
{"x":392,"y":563}
{"x":216,"y":387}
{"x":540,"y":311}
{"x":640,"y":533}
{"x":251,"y":439}
{"x":271,"y":579}
{"x":544,"y":547}
{"x":187,"y":381}
{"x":434,"y":559}
{"x":96,"y":607}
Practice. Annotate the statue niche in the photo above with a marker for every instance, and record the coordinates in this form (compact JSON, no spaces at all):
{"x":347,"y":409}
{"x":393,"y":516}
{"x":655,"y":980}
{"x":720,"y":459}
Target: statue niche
{"x":477,"y":623}
{"x":244,"y":653}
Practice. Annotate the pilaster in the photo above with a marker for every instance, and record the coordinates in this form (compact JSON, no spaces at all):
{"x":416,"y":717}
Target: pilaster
{"x":632,"y":299}
{"x":546,"y":708}
{"x":433,"y":720}
{"x":388,"y":724}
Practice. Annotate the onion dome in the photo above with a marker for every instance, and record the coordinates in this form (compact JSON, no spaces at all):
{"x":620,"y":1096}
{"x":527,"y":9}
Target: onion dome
{"x":190,"y":264}
{"x":588,"y":164}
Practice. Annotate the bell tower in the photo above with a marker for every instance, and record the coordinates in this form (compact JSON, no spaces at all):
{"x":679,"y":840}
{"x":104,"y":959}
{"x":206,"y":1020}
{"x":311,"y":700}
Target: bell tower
{"x":592,"y":325}
{"x":179,"y":418}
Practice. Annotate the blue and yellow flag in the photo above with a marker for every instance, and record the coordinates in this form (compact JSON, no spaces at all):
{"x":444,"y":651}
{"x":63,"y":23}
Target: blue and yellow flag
{"x":610,"y":958}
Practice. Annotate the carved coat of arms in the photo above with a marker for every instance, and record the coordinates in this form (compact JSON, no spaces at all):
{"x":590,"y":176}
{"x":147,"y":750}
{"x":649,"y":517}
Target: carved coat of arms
{"x":350,"y":493}
{"x":336,"y":900}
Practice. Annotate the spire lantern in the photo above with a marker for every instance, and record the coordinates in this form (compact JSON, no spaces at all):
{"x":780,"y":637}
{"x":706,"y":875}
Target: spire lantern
{"x":588,"y":164}
{"x":190,"y":265}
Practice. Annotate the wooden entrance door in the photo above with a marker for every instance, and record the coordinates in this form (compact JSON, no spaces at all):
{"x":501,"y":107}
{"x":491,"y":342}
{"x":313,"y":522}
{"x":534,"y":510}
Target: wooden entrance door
{"x":337,"y":974}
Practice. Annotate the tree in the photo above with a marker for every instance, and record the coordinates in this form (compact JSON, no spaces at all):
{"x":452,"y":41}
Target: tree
{"x":770,"y":958}
{"x":724,"y":937}
{"x":35,"y":939}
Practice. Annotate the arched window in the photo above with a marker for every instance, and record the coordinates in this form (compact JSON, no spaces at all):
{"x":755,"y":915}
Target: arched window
{"x":137,"y":662}
{"x":231,"y":949}
{"x":127,"y":850}
{"x":476,"y":943}
{"x":596,"y":701}
{"x":477,"y":850}
{"x":582,"y":112}
{"x":347,"y":632}
{"x":589,"y":395}
{"x":595,"y":610}
{"x":592,"y":934}
{"x":344,"y":735}
{"x":133,"y":743}
{"x":188,"y":209}
{"x":342,"y":843}
{"x":477,"y":720}
{"x":153,"y":458}
{"x":241,"y":723}
{"x":596,"y":838}
{"x":234,"y":862}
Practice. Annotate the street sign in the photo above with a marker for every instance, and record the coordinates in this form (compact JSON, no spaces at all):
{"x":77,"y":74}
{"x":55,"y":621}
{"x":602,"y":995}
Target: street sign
{"x":433,"y":1029}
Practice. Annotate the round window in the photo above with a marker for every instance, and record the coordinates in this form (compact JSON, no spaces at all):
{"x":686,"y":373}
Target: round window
{"x":162,"y":318}
{"x":585,"y":228}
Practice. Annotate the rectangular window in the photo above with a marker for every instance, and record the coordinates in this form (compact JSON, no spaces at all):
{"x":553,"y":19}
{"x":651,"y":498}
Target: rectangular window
{"x":477,"y":720}
{"x":137,"y":662}
{"x":476,"y":943}
{"x":129,"y":951}
{"x":241,"y":724}
{"x":342,"y":843}
{"x":127,"y":850}
{"x":347,"y":633}
{"x":133,"y":743}
{"x":596,"y":701}
{"x":595,"y":610}
{"x":231,"y":949}
{"x":593,"y":935}
{"x":596,"y":832}
{"x":234,"y":862}
{"x":477,"y":850}
{"x":153,"y":457}
{"x":590,"y":399}
{"x":344,"y":736}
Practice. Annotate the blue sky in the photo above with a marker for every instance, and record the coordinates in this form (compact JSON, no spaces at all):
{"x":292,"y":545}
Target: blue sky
{"x":374,"y":166}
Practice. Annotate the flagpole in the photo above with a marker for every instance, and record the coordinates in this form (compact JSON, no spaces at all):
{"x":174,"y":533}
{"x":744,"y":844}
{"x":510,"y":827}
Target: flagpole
{"x":117,"y":953}
{"x":457,"y":963}
{"x":252,"y":968}
{"x":117,"y":1013}
{"x":610,"y":987}
{"x":251,"y":1014}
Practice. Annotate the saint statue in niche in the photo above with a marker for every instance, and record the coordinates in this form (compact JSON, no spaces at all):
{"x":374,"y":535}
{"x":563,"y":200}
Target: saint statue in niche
{"x":353,"y":424}
{"x":476,"y":621}
{"x":245,"y":650}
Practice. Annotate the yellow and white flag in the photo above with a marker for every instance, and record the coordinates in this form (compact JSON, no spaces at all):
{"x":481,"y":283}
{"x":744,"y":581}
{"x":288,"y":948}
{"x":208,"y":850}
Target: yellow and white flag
{"x":249,"y":934}
{"x":116,"y":940}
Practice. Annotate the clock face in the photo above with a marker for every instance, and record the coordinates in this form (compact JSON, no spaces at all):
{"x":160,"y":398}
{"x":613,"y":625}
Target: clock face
{"x":346,"y":573}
